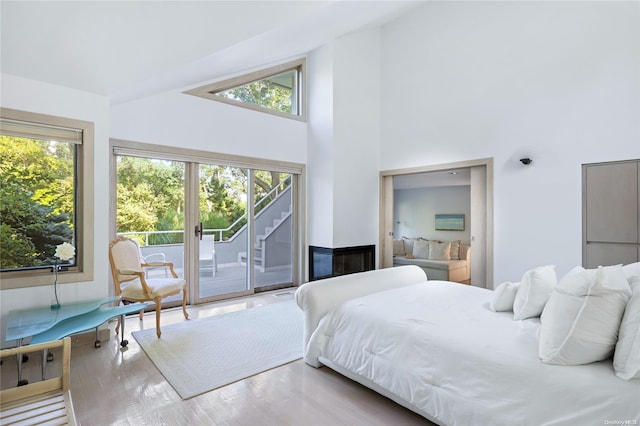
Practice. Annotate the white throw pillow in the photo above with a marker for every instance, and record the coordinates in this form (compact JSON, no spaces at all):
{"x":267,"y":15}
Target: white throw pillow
{"x":631,"y":270}
{"x":626,"y":359}
{"x":421,"y":249}
{"x":439,"y":251}
{"x":408,"y":244}
{"x":580,"y":323}
{"x":535,"y":288}
{"x":503,"y":297}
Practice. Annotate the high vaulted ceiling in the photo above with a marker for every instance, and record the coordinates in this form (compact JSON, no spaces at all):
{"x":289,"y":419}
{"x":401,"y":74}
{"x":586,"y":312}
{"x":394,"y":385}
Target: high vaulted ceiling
{"x":131,"y":49}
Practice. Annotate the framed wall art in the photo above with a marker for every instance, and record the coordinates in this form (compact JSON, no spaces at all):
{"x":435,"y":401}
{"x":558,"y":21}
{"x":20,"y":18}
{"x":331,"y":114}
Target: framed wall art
{"x":449,"y":222}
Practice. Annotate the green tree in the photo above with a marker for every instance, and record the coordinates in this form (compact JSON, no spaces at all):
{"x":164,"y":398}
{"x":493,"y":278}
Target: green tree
{"x":36,"y":200}
{"x":266,"y":93}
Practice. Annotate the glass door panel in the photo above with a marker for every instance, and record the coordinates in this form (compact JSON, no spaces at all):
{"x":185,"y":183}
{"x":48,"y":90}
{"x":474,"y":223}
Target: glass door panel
{"x":150,"y":208}
{"x":273,"y":242}
{"x":222,"y":232}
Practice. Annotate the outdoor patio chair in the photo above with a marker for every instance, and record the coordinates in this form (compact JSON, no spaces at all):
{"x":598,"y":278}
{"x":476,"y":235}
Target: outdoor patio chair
{"x":208,"y":252}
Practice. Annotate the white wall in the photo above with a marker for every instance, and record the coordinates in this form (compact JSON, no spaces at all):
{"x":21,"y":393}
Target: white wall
{"x":357,"y":139}
{"x":415,"y":209}
{"x":178,"y":119}
{"x":320,"y":147}
{"x":33,"y":96}
{"x":556,"y":81}
{"x":344,"y":140}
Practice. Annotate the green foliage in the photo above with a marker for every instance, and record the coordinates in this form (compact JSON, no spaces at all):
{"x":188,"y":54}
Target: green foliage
{"x":222,"y":198}
{"x":266,"y":93}
{"x":36,"y":200}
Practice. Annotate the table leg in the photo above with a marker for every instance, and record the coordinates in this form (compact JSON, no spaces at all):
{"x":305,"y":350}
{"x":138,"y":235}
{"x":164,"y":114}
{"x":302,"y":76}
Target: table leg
{"x":45,"y":354}
{"x":21,"y":382}
{"x":123,"y":341}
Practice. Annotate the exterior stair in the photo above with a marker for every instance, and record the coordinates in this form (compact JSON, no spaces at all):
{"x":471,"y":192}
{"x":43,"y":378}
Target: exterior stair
{"x":260,"y":242}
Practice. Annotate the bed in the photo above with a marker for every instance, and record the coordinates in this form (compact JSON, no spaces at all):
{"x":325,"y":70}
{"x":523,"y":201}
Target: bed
{"x":436,"y":348}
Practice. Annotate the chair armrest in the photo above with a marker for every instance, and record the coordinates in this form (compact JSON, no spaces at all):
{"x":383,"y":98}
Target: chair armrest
{"x":149,"y":264}
{"x":165,"y":264}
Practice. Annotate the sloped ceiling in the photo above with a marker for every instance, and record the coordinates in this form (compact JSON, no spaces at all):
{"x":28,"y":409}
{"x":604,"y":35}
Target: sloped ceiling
{"x":127,"y":50}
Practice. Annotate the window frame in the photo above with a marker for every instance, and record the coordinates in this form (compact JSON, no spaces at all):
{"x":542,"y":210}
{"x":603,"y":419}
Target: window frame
{"x":84,"y":205}
{"x":208,"y":91}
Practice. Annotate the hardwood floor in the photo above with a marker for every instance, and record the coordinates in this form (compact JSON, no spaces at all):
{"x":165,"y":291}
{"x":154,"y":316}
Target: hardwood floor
{"x":110,"y":386}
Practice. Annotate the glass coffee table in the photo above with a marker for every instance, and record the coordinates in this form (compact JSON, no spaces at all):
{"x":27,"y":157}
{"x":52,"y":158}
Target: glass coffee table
{"x":44,"y":324}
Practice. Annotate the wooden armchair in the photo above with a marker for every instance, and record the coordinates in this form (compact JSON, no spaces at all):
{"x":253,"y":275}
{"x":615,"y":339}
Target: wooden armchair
{"x":132,"y":285}
{"x":45,"y":402}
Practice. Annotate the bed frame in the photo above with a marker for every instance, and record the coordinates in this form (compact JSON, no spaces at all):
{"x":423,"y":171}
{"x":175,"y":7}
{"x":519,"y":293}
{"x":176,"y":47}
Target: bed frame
{"x":40,"y":402}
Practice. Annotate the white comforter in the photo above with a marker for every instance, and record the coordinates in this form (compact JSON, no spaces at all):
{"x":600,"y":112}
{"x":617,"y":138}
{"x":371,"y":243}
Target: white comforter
{"x":439,"y":349}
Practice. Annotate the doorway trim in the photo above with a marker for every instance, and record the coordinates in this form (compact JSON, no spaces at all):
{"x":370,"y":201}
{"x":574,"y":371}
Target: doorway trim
{"x":386,"y":209}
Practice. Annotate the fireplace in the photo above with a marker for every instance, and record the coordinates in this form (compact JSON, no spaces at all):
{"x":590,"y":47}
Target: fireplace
{"x":331,"y":262}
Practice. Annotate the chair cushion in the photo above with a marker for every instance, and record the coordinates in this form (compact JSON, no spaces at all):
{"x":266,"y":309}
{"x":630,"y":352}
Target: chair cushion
{"x":160,"y":287}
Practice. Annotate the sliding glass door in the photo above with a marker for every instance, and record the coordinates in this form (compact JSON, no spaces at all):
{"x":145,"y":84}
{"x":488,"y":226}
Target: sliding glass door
{"x":222,"y":232}
{"x":150,"y":208}
{"x":273,"y":242}
{"x":228,"y":230}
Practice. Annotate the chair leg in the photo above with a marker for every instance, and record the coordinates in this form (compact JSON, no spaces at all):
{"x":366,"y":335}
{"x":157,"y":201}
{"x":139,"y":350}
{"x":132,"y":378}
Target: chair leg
{"x":184,"y":303}
{"x":158,"y":309}
{"x":140,"y":314}
{"x":118,"y":326}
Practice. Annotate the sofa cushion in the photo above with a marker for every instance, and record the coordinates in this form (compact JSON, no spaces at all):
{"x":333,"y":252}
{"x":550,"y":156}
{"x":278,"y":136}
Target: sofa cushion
{"x":421,"y":249}
{"x":455,"y":250}
{"x":428,"y":263}
{"x":408,"y":244}
{"x":398,"y":248}
{"x":439,"y":251}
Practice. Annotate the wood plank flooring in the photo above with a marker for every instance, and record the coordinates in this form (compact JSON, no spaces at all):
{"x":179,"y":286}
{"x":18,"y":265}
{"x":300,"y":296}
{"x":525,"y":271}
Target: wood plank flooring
{"x":110,"y":386}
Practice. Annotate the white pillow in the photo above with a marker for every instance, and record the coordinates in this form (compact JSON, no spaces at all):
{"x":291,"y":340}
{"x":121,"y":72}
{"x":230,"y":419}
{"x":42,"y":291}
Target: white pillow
{"x":503,"y":297}
{"x":626,"y":359}
{"x":439,"y":251}
{"x":421,"y":249}
{"x":580,"y":323}
{"x":535,"y":288}
{"x":408,"y":244}
{"x":631,"y":270}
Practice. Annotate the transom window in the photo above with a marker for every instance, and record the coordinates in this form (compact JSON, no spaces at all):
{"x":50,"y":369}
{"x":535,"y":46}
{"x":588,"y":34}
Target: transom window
{"x":277,"y":90}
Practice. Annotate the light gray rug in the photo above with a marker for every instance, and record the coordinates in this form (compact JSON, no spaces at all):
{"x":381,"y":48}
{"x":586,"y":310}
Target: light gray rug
{"x":200,"y":355}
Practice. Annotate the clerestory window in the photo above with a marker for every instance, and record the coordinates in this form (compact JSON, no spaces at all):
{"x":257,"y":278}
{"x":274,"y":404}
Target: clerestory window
{"x":46,"y":195}
{"x":276,"y":90}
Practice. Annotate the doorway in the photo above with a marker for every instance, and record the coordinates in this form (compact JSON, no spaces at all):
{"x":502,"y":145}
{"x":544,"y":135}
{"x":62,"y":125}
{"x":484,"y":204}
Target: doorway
{"x":477,"y":175}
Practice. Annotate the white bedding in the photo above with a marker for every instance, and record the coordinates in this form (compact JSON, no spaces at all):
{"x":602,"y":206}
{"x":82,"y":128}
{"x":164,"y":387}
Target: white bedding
{"x":439,"y":350}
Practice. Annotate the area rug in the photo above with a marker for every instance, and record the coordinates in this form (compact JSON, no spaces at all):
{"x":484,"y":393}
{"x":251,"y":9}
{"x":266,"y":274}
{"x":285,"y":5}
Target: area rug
{"x":200,"y":355}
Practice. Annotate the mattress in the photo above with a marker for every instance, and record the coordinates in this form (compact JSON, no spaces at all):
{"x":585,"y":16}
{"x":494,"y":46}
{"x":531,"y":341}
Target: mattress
{"x":438,"y":349}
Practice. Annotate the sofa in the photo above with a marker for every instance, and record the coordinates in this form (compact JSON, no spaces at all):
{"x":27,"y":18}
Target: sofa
{"x":440,"y":260}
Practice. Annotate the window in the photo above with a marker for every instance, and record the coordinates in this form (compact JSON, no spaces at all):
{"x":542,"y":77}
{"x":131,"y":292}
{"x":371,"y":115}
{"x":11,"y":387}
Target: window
{"x":46,"y":186}
{"x":277,"y":90}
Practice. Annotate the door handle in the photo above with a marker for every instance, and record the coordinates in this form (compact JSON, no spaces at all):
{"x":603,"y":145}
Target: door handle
{"x":199,"y":231}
